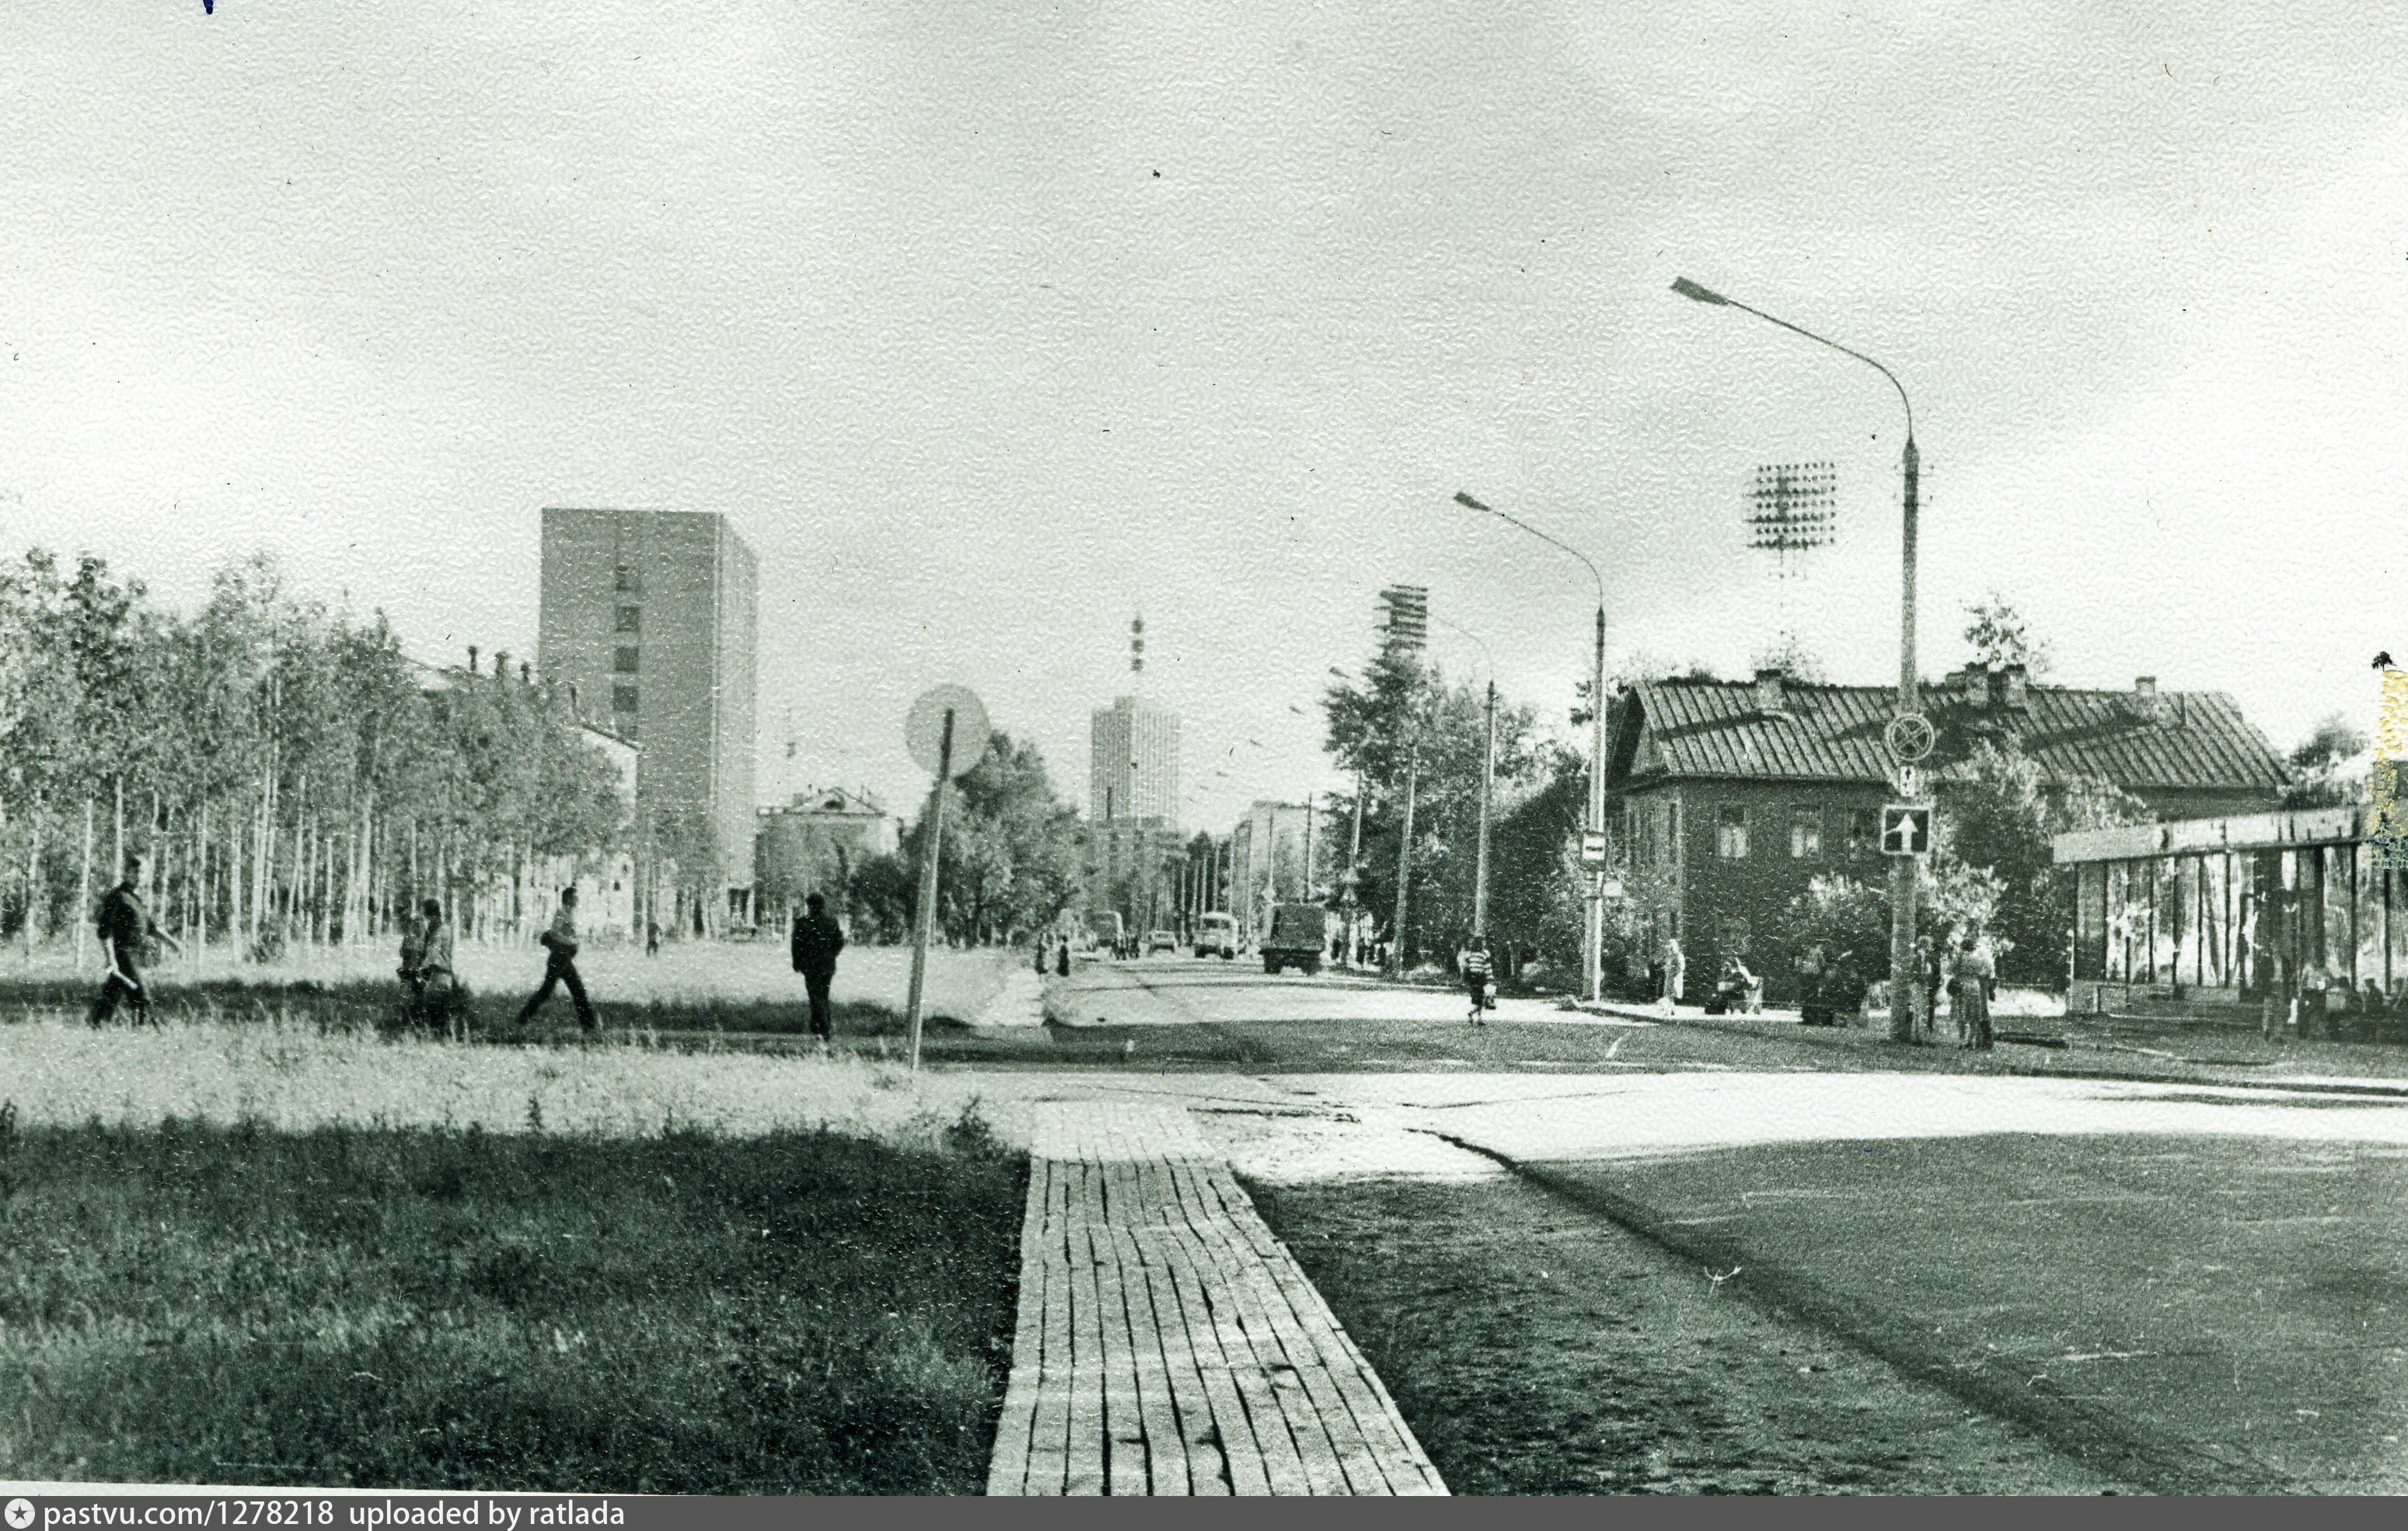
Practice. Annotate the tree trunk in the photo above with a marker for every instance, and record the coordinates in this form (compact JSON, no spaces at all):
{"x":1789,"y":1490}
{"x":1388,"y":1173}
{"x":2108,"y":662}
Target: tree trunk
{"x":83,"y":884}
{"x":33,"y":878}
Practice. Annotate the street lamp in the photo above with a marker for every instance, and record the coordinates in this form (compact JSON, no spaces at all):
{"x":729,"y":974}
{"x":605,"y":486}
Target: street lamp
{"x":1593,"y":957}
{"x":1902,"y":872}
{"x":1487,"y":786}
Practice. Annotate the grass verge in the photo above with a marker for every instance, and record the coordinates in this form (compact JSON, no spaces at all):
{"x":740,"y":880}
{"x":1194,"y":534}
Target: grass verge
{"x":1538,"y":1350}
{"x":798,"y":1311}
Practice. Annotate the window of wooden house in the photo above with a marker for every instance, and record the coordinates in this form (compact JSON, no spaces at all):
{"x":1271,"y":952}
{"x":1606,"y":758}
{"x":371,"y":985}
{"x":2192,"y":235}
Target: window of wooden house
{"x":623,"y":698}
{"x":1805,"y":833}
{"x":623,"y":661}
{"x":627,"y":619}
{"x":1864,"y":831}
{"x":1730,"y":832}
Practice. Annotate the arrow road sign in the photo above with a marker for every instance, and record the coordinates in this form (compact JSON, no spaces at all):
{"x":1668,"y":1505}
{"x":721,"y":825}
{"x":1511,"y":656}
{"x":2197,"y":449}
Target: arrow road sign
{"x":1906,"y":829}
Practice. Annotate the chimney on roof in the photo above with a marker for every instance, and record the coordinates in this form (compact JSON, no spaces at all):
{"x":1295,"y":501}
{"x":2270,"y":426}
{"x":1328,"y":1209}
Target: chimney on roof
{"x":1772,"y":693}
{"x":2014,"y":688}
{"x":472,"y":659}
{"x":2145,"y":686}
{"x":501,"y":664}
{"x":1973,"y":687}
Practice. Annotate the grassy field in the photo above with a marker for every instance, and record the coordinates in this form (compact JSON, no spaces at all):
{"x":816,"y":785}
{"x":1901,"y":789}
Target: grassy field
{"x":740,"y":987}
{"x":799,"y":1311}
{"x":273,"y":1242}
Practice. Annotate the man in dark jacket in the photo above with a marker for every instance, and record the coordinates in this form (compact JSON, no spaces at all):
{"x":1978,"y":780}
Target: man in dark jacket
{"x":816,"y":942}
{"x":126,"y":928}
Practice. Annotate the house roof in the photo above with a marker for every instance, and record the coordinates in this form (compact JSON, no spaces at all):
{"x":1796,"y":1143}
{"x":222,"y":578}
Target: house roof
{"x":1713,"y":729}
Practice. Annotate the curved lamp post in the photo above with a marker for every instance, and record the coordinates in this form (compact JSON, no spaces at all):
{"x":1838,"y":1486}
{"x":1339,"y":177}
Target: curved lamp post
{"x":1593,"y":940}
{"x":1902,"y":868}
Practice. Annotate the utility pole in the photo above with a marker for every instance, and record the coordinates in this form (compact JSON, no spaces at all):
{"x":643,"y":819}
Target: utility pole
{"x":1311,"y":887}
{"x":1487,"y":786}
{"x":1405,"y":860}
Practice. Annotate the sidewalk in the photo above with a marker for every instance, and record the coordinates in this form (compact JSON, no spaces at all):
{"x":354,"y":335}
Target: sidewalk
{"x":2087,"y":1050}
{"x":1166,"y":1343}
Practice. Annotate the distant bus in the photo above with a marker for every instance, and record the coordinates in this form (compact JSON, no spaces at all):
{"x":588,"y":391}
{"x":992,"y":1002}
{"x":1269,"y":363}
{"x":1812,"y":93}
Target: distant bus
{"x":1216,"y":936}
{"x":1104,"y":930}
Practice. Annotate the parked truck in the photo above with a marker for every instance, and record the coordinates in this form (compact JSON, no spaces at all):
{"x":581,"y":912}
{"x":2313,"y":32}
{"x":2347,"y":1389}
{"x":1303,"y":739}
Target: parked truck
{"x":1298,"y":936}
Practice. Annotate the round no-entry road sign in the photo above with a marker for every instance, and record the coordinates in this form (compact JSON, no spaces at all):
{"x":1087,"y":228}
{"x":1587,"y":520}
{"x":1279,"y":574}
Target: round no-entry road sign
{"x":923,"y":731}
{"x":1910,"y":736}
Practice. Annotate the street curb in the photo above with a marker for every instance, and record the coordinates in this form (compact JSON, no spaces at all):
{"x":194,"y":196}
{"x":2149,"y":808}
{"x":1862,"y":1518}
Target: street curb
{"x":2090,"y":1436}
{"x":1940,"y":1060}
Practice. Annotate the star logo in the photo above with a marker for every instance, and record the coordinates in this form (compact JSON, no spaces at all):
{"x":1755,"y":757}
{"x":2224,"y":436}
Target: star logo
{"x":21,"y":1514}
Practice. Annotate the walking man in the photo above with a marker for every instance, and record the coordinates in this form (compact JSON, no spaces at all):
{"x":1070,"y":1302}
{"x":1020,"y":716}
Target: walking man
{"x":1676,"y":973}
{"x":125,"y":927}
{"x":560,"y":964}
{"x":1477,"y":975}
{"x":817,"y":939}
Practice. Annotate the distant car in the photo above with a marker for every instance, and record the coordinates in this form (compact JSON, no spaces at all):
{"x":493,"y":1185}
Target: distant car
{"x":1161,"y":940}
{"x":1216,"y":934}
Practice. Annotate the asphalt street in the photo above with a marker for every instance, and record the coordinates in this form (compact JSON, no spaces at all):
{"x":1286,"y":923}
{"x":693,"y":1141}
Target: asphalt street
{"x":2202,"y":1287}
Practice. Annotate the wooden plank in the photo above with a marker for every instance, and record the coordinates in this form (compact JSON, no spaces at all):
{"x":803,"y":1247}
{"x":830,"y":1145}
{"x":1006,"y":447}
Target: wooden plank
{"x":1322,"y":1401}
{"x":1086,"y":1475}
{"x":1166,"y":1342}
{"x":1291,"y":1404}
{"x":1049,"y":1451}
{"x":1257,"y":1375}
{"x":1248,"y":1463}
{"x":1007,"y":1470}
{"x":1125,"y":1442}
{"x":1166,"y":1456}
{"x":1404,"y":1466}
{"x":1195,"y":1437}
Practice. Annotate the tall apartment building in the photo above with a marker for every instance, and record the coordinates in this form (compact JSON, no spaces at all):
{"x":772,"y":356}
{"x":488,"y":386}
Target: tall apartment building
{"x":1133,"y":762}
{"x":650,"y":615}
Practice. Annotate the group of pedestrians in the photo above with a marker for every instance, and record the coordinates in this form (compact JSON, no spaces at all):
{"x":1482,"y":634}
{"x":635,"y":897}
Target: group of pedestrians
{"x":1958,"y":964}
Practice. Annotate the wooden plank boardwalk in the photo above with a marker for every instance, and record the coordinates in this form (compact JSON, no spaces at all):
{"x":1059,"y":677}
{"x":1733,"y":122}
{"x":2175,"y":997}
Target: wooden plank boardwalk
{"x":1166,"y":1342}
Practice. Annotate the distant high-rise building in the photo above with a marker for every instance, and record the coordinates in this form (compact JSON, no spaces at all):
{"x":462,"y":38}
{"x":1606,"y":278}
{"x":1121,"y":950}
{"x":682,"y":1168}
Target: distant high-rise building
{"x":650,"y":616}
{"x":1133,"y":762}
{"x":1133,"y":752}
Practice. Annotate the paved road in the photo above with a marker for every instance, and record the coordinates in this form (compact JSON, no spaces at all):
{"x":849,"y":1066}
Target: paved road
{"x":2209,"y":1284}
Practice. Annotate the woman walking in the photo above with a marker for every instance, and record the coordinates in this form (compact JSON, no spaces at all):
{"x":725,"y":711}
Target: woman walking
{"x":1676,"y":973}
{"x":1970,"y":976}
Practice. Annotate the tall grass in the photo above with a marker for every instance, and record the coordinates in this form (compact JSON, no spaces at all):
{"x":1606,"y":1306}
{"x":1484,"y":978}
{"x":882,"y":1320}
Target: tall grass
{"x":796,"y":1311}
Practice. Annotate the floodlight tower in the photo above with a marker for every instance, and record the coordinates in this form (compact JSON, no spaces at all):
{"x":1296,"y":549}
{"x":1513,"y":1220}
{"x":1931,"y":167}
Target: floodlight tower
{"x":1789,"y":515}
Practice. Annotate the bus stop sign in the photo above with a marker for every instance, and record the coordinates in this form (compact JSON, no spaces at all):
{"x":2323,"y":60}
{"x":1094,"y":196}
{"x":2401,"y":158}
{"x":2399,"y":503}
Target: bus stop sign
{"x":1593,"y":847}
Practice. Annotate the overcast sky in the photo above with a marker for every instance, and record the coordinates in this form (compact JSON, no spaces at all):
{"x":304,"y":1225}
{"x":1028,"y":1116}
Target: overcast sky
{"x":990,"y":324}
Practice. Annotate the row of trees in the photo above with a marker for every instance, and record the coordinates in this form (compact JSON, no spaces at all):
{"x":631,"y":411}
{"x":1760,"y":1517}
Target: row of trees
{"x":1009,"y":863}
{"x":288,"y":772}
